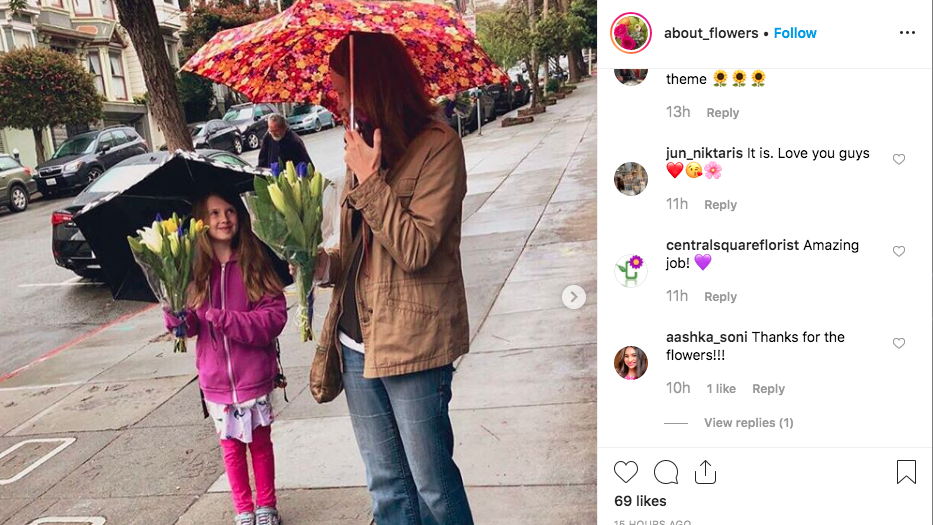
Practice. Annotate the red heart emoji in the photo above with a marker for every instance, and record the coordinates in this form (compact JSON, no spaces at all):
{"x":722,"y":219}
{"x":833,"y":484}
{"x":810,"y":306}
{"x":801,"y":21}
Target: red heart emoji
{"x":675,"y":169}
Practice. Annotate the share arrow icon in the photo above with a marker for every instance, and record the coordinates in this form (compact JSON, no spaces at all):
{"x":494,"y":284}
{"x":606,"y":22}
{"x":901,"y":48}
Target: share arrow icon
{"x":709,"y":475}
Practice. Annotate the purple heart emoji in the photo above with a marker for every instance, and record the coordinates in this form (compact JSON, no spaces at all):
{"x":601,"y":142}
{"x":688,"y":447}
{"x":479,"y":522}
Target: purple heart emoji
{"x":703,"y":260}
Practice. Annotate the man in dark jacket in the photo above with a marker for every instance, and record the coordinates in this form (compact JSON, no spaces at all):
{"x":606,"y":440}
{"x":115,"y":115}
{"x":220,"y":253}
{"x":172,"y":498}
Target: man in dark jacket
{"x":281,"y":145}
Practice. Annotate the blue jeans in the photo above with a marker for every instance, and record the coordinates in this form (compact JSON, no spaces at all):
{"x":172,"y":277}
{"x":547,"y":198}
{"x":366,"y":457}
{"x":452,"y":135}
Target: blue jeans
{"x":404,"y":434}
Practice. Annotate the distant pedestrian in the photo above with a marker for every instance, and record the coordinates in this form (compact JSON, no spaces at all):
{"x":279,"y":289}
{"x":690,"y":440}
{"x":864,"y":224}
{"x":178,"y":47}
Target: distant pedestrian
{"x":281,"y":144}
{"x":236,"y":307}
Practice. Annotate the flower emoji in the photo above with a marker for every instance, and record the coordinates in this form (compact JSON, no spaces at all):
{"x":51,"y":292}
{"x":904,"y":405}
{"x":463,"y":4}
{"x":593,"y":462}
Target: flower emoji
{"x":739,"y":77}
{"x":713,"y":170}
{"x":636,"y":262}
{"x":758,"y":78}
{"x":720,"y":77}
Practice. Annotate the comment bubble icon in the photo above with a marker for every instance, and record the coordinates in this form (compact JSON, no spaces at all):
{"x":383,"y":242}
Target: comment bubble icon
{"x":666,"y":472}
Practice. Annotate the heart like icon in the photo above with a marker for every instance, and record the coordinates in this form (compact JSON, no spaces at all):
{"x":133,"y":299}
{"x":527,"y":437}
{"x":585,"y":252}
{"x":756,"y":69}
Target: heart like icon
{"x":703,"y":260}
{"x":626,"y":470}
{"x":899,"y":342}
{"x":899,"y":159}
{"x":675,"y":169}
{"x":898,"y":250}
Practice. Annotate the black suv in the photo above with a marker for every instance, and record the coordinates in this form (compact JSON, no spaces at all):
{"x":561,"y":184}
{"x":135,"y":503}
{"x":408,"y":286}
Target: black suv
{"x":251,"y":120}
{"x":82,"y":158}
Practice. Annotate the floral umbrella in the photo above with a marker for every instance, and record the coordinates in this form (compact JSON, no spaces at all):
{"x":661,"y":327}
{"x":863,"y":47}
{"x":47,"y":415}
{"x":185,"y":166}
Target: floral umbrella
{"x":285,"y":58}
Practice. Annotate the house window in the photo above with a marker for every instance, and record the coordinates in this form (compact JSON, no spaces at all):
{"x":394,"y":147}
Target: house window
{"x":82,"y":7}
{"x":106,"y":8}
{"x":22,"y":39}
{"x":172,"y":50}
{"x":117,"y":77}
{"x":93,"y":65}
{"x":56,"y":3}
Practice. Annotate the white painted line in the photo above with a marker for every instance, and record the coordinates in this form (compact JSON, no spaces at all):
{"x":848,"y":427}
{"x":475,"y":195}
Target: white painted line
{"x":65,"y":442}
{"x":97,"y":520}
{"x":41,"y":387}
{"x":49,"y":285}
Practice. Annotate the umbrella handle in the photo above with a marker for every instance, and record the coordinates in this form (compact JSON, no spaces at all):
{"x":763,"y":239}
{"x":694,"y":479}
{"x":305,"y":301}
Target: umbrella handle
{"x":352,"y":94}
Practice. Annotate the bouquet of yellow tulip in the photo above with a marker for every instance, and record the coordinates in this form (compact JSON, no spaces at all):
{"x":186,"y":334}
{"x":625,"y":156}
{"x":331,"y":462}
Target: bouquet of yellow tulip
{"x":287,"y":213}
{"x":165,"y":252}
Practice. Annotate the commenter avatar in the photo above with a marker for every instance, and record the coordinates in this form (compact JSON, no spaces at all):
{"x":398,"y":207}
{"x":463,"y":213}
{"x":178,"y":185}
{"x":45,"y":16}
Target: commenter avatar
{"x":631,"y":362}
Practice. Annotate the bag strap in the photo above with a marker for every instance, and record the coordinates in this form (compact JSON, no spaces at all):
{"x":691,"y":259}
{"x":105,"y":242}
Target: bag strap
{"x":204,"y":405}
{"x":280,"y":380}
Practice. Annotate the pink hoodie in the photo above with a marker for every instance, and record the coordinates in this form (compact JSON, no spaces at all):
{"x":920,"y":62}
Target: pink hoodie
{"x":236,"y":358}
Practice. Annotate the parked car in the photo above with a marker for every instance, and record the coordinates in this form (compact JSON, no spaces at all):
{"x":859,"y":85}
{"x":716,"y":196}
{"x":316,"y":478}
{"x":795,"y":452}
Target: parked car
{"x":69,"y":247}
{"x":216,"y":134}
{"x":503,"y":97}
{"x":16,"y":184}
{"x":487,"y":105}
{"x":251,"y":120}
{"x":522,"y":91}
{"x":310,"y":118}
{"x":83,"y":158}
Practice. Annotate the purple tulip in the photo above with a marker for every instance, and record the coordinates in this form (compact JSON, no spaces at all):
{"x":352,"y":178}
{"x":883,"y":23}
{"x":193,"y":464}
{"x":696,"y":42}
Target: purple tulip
{"x":302,"y":170}
{"x":275,"y":169}
{"x":159,"y":217}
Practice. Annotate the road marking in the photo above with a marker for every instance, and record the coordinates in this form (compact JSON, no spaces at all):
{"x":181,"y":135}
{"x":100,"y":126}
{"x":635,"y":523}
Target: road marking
{"x":74,"y":281}
{"x":65,"y":442}
{"x":96,"y":520}
{"x":45,"y":285}
{"x":42,"y":387}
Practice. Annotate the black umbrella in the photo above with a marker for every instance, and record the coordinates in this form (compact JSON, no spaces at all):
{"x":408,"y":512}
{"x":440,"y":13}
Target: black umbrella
{"x":171,"y":188}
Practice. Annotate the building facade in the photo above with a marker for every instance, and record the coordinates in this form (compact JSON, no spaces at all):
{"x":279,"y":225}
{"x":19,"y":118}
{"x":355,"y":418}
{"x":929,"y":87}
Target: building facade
{"x":89,"y":30}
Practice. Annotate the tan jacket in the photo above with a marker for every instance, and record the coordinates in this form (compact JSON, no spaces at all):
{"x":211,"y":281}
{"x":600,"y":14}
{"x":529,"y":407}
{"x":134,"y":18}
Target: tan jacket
{"x":412,"y":301}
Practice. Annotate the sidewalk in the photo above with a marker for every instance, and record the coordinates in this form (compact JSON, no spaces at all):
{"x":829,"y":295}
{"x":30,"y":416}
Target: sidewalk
{"x":524,"y":402}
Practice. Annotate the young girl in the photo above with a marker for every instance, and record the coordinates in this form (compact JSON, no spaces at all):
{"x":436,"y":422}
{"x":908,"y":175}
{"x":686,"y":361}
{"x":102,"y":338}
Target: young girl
{"x":634,"y":363}
{"x":236,"y":308}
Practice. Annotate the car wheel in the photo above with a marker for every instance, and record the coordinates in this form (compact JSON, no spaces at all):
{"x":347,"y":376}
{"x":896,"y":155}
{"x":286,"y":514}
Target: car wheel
{"x":237,"y":146}
{"x":252,"y":140}
{"x":19,"y":199}
{"x":92,"y":174}
{"x":317,"y":126}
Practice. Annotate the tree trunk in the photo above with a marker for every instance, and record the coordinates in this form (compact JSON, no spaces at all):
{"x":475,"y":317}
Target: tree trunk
{"x":40,"y":146}
{"x":533,"y":66}
{"x":573,"y":64}
{"x":547,"y":62}
{"x":142,"y":23}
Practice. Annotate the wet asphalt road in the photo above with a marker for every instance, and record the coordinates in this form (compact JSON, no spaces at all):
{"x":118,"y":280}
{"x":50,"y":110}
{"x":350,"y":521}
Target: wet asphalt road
{"x":43,"y":306}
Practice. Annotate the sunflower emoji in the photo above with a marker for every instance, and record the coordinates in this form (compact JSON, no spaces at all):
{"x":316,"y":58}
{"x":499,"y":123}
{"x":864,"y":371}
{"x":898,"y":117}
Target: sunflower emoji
{"x":758,"y":78}
{"x":739,"y":77}
{"x":720,"y":77}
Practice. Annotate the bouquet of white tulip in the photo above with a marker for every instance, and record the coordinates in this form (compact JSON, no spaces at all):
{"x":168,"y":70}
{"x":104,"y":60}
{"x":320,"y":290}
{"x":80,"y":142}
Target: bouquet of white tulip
{"x":165,"y":252}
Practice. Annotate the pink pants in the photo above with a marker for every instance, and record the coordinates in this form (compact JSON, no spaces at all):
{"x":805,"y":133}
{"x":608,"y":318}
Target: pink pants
{"x":263,"y":470}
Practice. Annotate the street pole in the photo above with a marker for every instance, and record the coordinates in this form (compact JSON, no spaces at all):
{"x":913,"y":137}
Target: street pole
{"x":479,"y":115}
{"x":589,"y":61}
{"x":459,"y":125}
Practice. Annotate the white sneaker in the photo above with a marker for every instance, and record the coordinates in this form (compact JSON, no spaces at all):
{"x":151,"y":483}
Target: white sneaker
{"x":247,"y":518}
{"x":267,"y":516}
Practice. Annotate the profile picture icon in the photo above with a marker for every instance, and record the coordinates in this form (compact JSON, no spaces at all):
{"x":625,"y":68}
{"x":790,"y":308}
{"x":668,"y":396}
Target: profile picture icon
{"x":631,"y":363}
{"x":630,"y":77}
{"x":631,"y":270}
{"x":631,"y":179}
{"x":631,"y":33}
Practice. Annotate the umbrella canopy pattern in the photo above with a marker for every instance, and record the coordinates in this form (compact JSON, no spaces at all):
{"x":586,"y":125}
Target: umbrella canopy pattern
{"x":285,"y":58}
{"x":171,"y":187}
